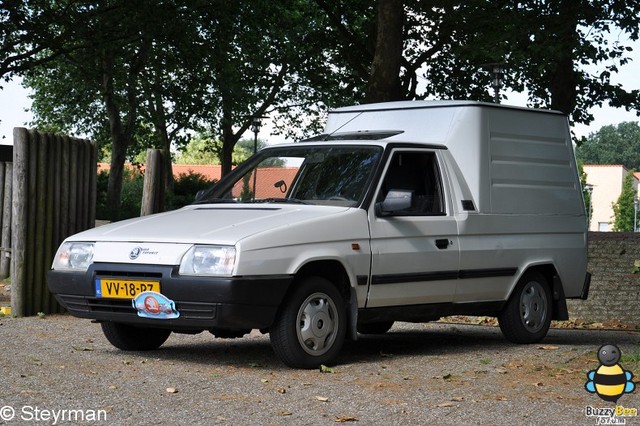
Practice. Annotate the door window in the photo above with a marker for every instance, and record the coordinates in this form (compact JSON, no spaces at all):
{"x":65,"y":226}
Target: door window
{"x":418,"y":173}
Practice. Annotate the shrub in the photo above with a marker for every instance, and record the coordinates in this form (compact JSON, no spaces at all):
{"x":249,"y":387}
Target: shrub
{"x":185,"y":188}
{"x":131,"y":197}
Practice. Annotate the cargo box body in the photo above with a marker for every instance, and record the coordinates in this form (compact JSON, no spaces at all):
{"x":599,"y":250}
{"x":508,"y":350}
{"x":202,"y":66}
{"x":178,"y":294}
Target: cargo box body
{"x":514,"y":183}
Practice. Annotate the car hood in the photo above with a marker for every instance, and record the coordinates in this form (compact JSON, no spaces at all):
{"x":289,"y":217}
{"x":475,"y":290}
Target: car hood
{"x":207,"y":224}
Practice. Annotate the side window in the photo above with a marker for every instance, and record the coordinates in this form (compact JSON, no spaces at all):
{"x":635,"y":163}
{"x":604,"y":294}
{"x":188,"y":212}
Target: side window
{"x":419,"y":173}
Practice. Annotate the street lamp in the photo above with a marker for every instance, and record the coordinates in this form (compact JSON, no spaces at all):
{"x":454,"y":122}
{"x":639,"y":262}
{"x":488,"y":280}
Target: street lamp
{"x":256,"y":123}
{"x":497,"y":69}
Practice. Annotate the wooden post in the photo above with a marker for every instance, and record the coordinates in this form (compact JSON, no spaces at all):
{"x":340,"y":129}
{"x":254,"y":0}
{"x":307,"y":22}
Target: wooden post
{"x":19,"y":214}
{"x":93,"y":179}
{"x":153,"y":191}
{"x":5,"y":256}
{"x":2,"y":178}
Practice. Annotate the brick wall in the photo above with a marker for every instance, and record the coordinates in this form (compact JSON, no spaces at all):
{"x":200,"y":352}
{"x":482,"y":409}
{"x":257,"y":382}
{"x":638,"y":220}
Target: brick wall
{"x":615,"y":291}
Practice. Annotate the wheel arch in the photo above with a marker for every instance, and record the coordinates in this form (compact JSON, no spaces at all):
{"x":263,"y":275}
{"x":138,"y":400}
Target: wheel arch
{"x":334,"y":271}
{"x":558,"y":300}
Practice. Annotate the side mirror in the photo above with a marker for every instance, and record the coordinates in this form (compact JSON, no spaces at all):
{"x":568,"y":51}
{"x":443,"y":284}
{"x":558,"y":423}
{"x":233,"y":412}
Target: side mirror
{"x":395,"y":201}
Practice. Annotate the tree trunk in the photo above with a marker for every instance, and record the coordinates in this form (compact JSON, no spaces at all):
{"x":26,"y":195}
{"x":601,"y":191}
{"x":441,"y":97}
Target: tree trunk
{"x":119,"y":142}
{"x":160,"y":126}
{"x":562,"y":78}
{"x":229,"y":140}
{"x":121,"y":130}
{"x":384,"y":82}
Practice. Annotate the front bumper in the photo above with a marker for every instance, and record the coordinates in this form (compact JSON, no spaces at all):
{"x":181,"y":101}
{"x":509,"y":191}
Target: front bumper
{"x":203,"y":302}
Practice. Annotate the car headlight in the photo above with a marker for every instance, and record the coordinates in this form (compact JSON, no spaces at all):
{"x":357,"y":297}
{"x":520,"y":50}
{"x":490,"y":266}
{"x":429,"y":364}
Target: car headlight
{"x":73,"y":257}
{"x":208,"y":260}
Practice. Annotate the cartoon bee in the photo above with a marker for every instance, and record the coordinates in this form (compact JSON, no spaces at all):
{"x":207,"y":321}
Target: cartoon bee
{"x":610,"y":381}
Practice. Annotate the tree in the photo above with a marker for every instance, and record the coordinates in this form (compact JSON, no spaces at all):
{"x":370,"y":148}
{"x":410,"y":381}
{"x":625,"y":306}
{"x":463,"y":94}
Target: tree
{"x":95,"y":88}
{"x":544,"y":46}
{"x":614,"y":144}
{"x":623,"y":208}
{"x":586,"y":192}
{"x":204,"y":149}
{"x":384,"y":83}
{"x":35,"y":32}
{"x":135,"y":74}
{"x":567,"y":36}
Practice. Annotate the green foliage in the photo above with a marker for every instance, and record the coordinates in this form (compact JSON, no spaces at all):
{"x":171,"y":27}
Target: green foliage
{"x":131,"y":202}
{"x":134,"y":75}
{"x":614,"y":144}
{"x":205,"y":149}
{"x":200,"y":150}
{"x":247,"y":192}
{"x":186,"y":186}
{"x":586,"y":193}
{"x":623,"y":209}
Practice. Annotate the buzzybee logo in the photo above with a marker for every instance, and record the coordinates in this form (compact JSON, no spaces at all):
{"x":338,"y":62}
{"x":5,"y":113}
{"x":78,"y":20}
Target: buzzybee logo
{"x":610,"y":381}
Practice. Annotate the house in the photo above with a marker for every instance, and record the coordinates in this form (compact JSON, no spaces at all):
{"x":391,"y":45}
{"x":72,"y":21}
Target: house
{"x":605,"y":183}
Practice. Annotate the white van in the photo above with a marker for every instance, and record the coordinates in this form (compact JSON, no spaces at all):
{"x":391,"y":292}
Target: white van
{"x":403,"y":211}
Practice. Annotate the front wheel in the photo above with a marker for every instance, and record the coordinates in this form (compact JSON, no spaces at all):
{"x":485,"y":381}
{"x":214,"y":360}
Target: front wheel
{"x":131,"y":338}
{"x":527,"y":315}
{"x":311,"y":325}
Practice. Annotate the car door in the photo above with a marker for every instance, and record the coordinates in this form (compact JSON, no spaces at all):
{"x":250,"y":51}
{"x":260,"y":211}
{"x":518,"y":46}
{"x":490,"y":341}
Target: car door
{"x":415,"y":254}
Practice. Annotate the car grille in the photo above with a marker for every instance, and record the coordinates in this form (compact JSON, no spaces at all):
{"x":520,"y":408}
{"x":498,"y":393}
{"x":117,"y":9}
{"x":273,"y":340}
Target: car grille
{"x":188,"y":310}
{"x":128,"y":274}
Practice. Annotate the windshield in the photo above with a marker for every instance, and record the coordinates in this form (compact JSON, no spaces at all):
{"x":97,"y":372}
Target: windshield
{"x":328,"y":175}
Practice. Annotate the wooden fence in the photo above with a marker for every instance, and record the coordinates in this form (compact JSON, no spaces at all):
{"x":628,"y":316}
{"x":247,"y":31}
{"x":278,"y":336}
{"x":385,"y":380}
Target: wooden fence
{"x":54,"y":196}
{"x":6,"y":176}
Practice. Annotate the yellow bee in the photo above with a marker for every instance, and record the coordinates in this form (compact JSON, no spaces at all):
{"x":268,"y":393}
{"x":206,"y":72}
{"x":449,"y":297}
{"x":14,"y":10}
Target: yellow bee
{"x":609,"y":381}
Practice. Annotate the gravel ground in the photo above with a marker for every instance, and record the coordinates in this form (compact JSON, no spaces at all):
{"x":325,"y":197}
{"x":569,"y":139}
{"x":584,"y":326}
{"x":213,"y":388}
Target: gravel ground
{"x":416,"y":374}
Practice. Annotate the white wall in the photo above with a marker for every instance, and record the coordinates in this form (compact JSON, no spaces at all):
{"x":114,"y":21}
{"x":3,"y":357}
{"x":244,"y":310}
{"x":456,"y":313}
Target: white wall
{"x":606,"y":181}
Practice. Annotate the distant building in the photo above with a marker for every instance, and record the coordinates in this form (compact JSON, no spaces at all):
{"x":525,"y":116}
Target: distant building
{"x":605,"y":182}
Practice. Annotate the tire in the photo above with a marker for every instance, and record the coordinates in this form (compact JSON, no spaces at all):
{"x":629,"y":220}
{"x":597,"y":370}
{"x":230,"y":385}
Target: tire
{"x":527,"y":315}
{"x":310,"y":328}
{"x":130,"y":338}
{"x":375,"y":327}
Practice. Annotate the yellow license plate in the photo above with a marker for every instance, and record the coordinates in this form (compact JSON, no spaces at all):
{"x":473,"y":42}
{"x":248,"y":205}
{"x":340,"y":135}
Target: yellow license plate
{"x":124,"y":289}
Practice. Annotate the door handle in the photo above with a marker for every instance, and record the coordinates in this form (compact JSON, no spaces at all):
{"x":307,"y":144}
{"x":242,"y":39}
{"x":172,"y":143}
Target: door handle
{"x":443,"y":243}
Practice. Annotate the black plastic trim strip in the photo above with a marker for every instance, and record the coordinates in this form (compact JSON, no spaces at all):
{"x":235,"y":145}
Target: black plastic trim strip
{"x":443,"y":275}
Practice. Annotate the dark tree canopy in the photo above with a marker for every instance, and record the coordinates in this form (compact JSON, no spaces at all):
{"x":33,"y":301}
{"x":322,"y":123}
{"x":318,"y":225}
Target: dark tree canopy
{"x":151,"y":73}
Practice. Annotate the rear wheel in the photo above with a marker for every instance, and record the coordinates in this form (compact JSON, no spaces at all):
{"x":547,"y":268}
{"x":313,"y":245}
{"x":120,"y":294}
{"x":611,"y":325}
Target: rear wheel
{"x":311,"y":326}
{"x":131,"y":338}
{"x":527,"y":316}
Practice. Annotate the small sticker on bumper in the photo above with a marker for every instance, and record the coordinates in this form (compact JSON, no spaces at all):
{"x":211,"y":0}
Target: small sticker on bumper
{"x":151,"y":304}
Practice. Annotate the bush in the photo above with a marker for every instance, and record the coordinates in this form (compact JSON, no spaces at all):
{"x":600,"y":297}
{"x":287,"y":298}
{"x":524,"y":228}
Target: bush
{"x":185,"y":188}
{"x":131,"y":197}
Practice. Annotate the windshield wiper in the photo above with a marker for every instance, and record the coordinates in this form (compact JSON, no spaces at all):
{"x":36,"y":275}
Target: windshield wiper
{"x":215,"y":201}
{"x":280,"y":200}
